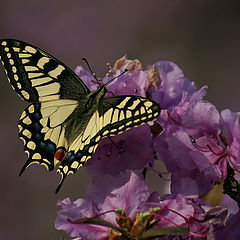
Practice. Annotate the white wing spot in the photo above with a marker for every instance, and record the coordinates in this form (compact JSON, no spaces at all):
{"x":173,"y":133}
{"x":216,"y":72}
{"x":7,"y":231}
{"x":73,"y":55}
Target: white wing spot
{"x":136,"y":120}
{"x":149,"y":110}
{"x":24,"y":141}
{"x":23,"y":115}
{"x":4,"y":43}
{"x":49,"y":98}
{"x":122,"y":116}
{"x":45,"y":165}
{"x":148,"y":103}
{"x":9,"y":55}
{"x":57,"y":71}
{"x":34,"y":75}
{"x":49,"y":89}
{"x":30,"y":68}
{"x":14,"y":69}
{"x":31,"y":109}
{"x":74,"y":164}
{"x":97,"y":139}
{"x":128,"y":114}
{"x":36,"y":156}
{"x":27,"y":120}
{"x":121,"y":127}
{"x":11,"y":61}
{"x":128,"y":123}
{"x":142,"y":110}
{"x":30,"y":49}
{"x":42,"y":61}
{"x":91,"y":149}
{"x":27,"y":133}
{"x":15,"y":77}
{"x":6,"y":49}
{"x":40,"y":81}
{"x":123,"y":103}
{"x":24,"y":60}
{"x":16,"y":49}
{"x":105,"y":132}
{"x":25,"y":94}
{"x":27,"y":152}
{"x":31,"y":145}
{"x":65,"y":169}
{"x":20,"y":128}
{"x":44,"y":130}
{"x":134,"y":105}
{"x":24,"y":55}
{"x":115,"y":115}
{"x":45,"y":160}
{"x":107,"y":117}
{"x":19,"y":85}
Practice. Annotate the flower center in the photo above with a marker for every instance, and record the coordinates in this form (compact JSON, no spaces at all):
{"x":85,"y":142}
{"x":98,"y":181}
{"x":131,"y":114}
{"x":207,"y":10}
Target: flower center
{"x":213,"y":144}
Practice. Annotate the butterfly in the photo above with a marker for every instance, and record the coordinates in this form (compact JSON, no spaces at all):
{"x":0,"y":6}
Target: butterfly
{"x":65,"y":120}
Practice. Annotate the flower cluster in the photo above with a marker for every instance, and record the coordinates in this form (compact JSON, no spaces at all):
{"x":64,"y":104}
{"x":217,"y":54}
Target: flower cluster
{"x":198,"y":144}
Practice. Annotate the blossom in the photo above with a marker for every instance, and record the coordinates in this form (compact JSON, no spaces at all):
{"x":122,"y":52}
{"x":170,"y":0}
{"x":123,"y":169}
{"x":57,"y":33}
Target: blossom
{"x":127,"y":206}
{"x":127,"y":192}
{"x":207,"y":141}
{"x":123,"y":153}
{"x":197,"y":143}
{"x":167,"y":84}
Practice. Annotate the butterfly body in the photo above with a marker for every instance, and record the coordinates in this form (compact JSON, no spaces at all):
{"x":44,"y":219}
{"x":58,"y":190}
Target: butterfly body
{"x":65,"y":121}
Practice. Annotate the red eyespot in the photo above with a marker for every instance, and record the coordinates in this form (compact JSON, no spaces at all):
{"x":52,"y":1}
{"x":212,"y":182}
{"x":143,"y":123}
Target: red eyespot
{"x":60,"y":154}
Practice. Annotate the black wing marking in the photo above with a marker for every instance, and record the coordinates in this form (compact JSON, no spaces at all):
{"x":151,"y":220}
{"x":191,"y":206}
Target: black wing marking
{"x":36,"y":75}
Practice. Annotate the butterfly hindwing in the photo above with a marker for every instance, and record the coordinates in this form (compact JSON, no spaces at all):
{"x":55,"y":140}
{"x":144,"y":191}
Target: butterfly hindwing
{"x":37,"y":76}
{"x":121,"y":113}
{"x":42,"y":130}
{"x":114,"y":116}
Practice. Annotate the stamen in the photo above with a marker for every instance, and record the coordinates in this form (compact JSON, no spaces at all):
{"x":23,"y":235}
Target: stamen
{"x":218,"y":154}
{"x":85,"y":220}
{"x":199,"y":148}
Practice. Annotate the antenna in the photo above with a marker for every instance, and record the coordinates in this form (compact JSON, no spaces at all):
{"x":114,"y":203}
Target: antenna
{"x":94,"y":75}
{"x":125,"y":70}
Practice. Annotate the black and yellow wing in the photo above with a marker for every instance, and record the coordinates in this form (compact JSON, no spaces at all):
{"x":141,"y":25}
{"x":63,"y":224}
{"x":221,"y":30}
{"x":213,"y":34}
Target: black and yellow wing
{"x":65,"y":121}
{"x":37,"y":76}
{"x":113,"y":116}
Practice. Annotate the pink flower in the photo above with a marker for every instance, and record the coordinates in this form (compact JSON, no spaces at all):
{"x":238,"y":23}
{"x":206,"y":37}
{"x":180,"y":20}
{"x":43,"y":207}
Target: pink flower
{"x":125,"y":204}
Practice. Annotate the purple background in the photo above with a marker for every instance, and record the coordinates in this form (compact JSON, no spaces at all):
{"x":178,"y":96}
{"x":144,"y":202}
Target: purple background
{"x":202,"y":37}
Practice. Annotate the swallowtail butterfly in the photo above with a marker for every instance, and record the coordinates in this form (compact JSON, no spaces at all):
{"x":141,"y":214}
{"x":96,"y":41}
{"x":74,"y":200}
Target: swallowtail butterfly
{"x":65,"y":120}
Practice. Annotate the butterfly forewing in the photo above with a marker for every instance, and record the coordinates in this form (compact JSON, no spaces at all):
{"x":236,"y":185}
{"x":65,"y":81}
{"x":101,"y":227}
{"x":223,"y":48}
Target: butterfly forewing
{"x":37,"y":76}
{"x":65,"y":121}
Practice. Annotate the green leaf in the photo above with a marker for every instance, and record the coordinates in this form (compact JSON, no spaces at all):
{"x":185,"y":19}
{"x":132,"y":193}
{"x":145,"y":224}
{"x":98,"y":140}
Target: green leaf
{"x":167,"y":231}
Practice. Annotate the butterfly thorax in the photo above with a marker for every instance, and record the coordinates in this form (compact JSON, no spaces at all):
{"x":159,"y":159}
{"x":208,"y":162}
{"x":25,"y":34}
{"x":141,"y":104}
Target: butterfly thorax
{"x":87,"y":106}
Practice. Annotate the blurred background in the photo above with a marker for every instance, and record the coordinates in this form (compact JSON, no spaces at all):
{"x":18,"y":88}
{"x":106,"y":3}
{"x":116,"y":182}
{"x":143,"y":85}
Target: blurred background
{"x":202,"y":37}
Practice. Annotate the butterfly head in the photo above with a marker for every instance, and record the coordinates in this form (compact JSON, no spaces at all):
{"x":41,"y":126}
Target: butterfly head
{"x":95,"y":96}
